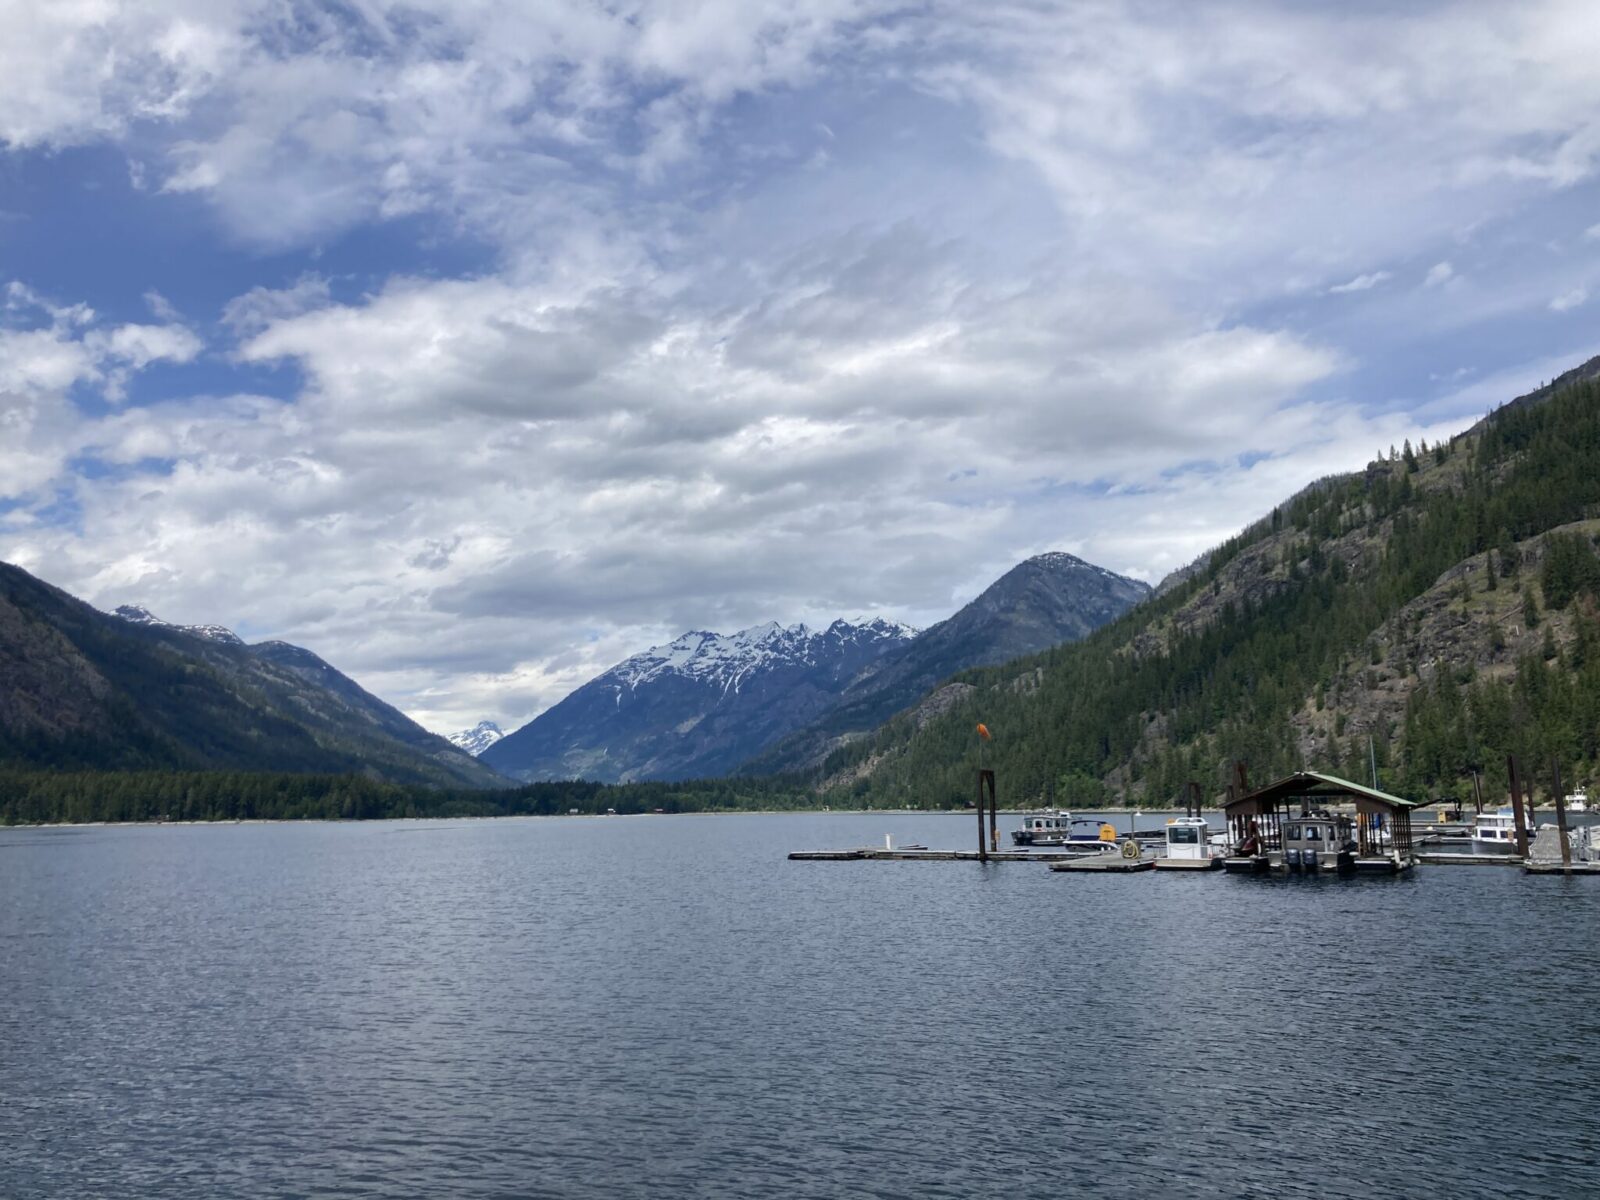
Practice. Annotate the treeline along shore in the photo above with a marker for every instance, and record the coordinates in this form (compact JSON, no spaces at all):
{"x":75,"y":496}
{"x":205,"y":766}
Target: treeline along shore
{"x":77,"y":797}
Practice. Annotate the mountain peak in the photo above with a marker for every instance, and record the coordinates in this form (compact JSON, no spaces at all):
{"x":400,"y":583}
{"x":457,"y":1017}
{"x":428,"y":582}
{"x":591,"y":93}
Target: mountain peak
{"x":1060,"y":560}
{"x":477,"y":739}
{"x":137,"y":614}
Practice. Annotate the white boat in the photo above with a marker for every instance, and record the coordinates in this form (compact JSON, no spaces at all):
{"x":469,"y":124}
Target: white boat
{"x":1498,"y":828}
{"x":1190,"y":843}
{"x":1578,"y":801}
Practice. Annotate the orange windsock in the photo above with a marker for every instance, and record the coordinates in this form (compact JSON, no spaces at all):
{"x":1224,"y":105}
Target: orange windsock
{"x":983,"y":731}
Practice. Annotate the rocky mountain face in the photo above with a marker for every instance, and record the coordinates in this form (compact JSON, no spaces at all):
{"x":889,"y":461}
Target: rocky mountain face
{"x":698,"y":706}
{"x":86,"y":689}
{"x":1441,"y":607}
{"x":1042,"y":602}
{"x":477,"y":739}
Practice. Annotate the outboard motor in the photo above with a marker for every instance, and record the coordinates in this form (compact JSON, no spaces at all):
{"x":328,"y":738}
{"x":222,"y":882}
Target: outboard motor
{"x":1308,"y":859}
{"x":1291,"y":859}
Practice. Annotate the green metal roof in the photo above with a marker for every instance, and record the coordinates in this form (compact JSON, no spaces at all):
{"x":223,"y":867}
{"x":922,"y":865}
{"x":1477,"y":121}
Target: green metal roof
{"x":1314,"y":783}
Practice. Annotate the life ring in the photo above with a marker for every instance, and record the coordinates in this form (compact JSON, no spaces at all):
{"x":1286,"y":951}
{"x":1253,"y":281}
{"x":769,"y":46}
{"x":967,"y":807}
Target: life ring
{"x":1130,"y":849}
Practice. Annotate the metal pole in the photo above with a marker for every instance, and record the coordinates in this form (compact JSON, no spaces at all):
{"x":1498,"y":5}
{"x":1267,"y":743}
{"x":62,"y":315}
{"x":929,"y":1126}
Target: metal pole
{"x":1561,"y":816}
{"x":1516,"y":804}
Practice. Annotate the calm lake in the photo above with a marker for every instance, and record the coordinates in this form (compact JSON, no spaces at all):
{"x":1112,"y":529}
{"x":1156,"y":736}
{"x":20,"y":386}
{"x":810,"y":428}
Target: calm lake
{"x":665,"y":1006}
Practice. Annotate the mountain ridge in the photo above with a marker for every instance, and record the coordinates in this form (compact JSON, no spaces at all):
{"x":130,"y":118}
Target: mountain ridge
{"x":1443,"y":601}
{"x":1043,"y":601}
{"x":94,"y":690}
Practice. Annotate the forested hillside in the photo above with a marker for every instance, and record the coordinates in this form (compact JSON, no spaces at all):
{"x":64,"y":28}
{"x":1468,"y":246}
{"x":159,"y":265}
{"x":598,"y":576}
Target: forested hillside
{"x":84,"y":690}
{"x":1441,"y":602}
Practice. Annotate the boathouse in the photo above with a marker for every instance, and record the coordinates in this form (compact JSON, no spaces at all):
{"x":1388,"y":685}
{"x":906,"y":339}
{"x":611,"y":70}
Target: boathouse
{"x":1257,"y":821}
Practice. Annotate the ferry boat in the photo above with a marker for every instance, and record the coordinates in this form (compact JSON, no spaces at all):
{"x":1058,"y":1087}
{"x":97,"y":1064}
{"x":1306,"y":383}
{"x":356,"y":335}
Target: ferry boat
{"x":1498,"y":829}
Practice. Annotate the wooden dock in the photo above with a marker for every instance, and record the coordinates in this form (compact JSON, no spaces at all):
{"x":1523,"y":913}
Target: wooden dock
{"x":1557,"y":868}
{"x":1113,"y":864}
{"x":1065,"y":861}
{"x":880,"y":854}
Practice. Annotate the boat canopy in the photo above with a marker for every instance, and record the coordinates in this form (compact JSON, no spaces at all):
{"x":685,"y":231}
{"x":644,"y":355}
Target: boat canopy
{"x":1265,"y":809}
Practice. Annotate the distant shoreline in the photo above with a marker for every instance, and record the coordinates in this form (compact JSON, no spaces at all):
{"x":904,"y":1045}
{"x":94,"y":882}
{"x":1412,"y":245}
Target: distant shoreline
{"x":752,"y":812}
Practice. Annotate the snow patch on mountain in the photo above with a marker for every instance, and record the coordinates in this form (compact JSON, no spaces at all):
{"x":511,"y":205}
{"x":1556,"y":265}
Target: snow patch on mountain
{"x":1058,"y":560}
{"x":728,"y":661}
{"x":135,"y":614}
{"x":477,"y":739}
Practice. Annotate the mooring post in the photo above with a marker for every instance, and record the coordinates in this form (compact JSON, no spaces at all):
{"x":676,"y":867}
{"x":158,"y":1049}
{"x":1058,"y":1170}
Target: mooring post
{"x":1561,"y":815}
{"x":1516,"y":804}
{"x":983,"y":854}
{"x":994,"y":818}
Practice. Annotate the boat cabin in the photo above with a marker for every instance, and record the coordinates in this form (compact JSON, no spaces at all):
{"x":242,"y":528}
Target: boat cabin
{"x":1187,"y":838}
{"x":1319,"y":841}
{"x":1498,"y":828}
{"x":1043,"y":829}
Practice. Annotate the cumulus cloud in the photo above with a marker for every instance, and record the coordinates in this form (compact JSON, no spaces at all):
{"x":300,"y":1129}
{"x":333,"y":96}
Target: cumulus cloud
{"x":46,"y":350}
{"x":1438,"y":275}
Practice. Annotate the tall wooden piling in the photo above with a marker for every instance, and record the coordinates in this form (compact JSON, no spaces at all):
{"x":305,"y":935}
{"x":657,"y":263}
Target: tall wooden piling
{"x":1516,"y":804}
{"x":1561,"y":815}
{"x":986,"y":781}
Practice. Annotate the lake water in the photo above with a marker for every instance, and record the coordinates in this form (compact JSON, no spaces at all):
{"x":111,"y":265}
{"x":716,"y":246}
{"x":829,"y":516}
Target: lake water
{"x":665,"y":1006}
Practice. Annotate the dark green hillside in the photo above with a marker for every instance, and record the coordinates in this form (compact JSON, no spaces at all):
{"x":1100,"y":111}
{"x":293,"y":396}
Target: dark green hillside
{"x":81,"y":690}
{"x":1314,"y":629}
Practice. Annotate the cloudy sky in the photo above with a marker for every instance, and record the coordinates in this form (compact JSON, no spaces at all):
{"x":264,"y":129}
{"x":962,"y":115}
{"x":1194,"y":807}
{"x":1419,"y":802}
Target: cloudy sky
{"x":476,"y":346}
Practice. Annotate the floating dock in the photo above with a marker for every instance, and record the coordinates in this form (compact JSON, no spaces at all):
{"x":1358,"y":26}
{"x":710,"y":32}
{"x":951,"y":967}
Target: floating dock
{"x":879,"y":853}
{"x":1438,"y":859}
{"x":1114,"y":864}
{"x":1558,"y":868}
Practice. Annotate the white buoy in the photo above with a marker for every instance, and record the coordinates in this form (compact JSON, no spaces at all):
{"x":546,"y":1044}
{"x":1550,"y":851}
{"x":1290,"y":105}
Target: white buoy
{"x":888,"y":841}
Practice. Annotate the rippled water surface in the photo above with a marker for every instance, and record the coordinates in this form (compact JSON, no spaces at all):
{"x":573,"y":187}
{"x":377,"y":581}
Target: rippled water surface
{"x":665,"y":1006}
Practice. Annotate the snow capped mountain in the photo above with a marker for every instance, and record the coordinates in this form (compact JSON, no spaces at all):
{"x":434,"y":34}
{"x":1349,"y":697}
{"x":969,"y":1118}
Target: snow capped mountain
{"x":699,"y":705}
{"x":477,"y":739}
{"x":136,"y":615}
{"x":727,"y":661}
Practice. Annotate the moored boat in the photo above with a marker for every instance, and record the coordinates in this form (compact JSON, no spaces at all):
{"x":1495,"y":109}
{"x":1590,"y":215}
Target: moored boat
{"x":1189,"y":846}
{"x":1061,"y":830}
{"x":1497,"y":829}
